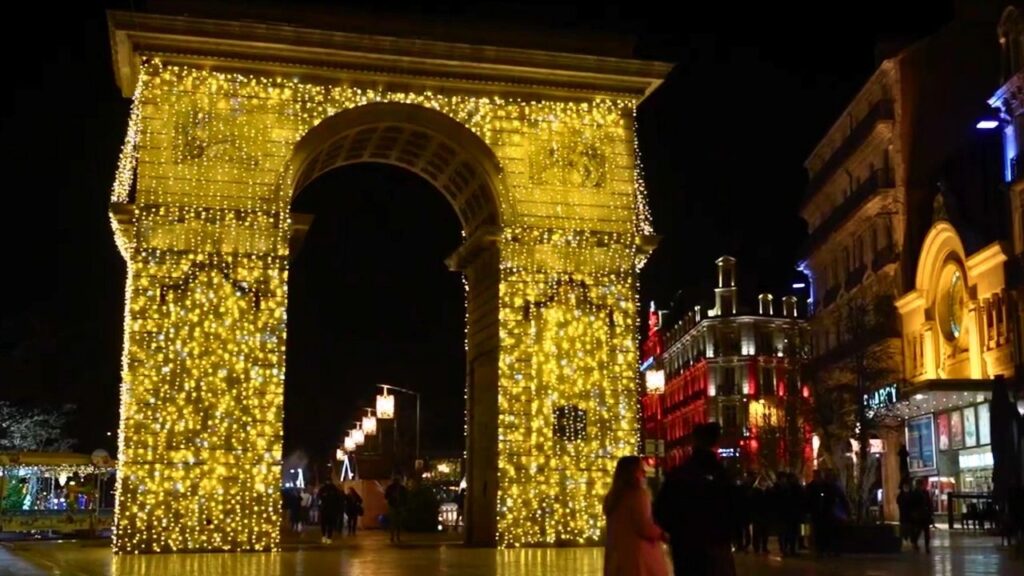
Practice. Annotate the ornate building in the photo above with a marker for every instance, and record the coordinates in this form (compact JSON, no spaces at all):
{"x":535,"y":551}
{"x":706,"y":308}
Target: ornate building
{"x":739,"y":369}
{"x":905,"y":216}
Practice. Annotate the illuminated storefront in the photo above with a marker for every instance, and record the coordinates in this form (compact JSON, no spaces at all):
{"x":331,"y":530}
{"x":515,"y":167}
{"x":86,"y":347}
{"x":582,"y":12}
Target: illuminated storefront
{"x":956,"y":330}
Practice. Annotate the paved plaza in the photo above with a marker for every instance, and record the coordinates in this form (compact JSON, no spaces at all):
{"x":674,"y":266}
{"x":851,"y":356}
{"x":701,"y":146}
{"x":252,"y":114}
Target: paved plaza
{"x":369,"y":554}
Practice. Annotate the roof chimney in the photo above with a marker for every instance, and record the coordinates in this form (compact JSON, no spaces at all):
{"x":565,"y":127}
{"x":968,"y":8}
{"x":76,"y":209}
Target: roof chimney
{"x":725,"y":294}
{"x":789,"y":306}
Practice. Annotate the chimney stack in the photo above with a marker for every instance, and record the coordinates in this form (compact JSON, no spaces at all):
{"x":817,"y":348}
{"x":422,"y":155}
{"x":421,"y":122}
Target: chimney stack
{"x":725,"y":294}
{"x":789,"y":307}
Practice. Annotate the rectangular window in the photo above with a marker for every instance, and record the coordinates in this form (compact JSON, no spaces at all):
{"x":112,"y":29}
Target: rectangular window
{"x":730,"y":416}
{"x":726,"y":380}
{"x":767,"y":380}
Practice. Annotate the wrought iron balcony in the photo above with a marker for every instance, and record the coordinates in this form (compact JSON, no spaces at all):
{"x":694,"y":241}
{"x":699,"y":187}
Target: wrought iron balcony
{"x":883,"y":111}
{"x":884,"y":256}
{"x":855,"y":277}
{"x":880,"y":179}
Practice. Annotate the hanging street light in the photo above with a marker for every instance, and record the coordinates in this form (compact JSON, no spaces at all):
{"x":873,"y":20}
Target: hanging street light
{"x":655,"y":381}
{"x":369,"y":423}
{"x":357,"y":434}
{"x":385,"y":405}
{"x":386,"y":410}
{"x":350,"y":444}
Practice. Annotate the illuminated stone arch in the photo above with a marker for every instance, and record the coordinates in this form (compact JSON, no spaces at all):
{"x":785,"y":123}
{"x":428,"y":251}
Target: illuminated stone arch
{"x":535,"y":152}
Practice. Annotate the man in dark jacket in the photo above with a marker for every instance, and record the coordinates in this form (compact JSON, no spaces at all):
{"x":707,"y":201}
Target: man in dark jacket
{"x":330,"y":509}
{"x":695,"y":508}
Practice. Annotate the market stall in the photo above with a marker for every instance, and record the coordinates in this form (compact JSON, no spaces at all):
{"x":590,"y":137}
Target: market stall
{"x":56,"y":492}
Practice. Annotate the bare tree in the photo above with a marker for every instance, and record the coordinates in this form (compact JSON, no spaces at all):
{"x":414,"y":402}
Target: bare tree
{"x":34,"y":429}
{"x":868,"y":356}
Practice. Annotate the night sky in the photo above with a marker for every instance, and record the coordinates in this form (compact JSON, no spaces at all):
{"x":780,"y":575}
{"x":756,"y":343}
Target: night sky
{"x":723,"y":143}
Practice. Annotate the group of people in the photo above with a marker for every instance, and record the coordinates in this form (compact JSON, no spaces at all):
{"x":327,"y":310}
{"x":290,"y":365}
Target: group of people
{"x":763,"y":507}
{"x":335,"y":509}
{"x":916,"y":516}
{"x":703,"y":514}
{"x":692,"y":513}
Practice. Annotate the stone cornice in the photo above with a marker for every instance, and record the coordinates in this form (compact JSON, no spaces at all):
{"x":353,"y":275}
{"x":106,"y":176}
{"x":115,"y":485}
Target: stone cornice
{"x":985,"y":259}
{"x":238,"y":44}
{"x":883,"y":74}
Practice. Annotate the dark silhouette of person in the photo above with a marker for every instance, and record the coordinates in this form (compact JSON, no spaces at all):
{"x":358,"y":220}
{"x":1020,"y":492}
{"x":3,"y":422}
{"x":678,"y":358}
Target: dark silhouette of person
{"x":787,"y":505}
{"x":330,"y":498}
{"x":397,"y":496}
{"x":828,"y":507}
{"x":761,"y":514}
{"x":694,"y":507}
{"x":919,"y":506}
{"x":353,"y":509}
{"x":903,"y":505}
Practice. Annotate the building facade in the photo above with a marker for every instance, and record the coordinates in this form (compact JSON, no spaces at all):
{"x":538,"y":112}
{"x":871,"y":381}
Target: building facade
{"x":740,"y":369}
{"x":907,"y":255}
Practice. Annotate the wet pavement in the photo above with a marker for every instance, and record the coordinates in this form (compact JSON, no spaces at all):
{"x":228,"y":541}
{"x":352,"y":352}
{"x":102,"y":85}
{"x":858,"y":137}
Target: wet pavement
{"x":370,"y":554}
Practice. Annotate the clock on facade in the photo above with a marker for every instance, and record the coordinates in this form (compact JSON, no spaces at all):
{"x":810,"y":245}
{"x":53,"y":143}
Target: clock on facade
{"x":954,"y":305}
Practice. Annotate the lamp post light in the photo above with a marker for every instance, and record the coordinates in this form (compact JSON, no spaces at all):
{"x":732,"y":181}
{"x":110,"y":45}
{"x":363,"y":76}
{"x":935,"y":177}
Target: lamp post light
{"x":386,"y":410}
{"x":385,"y":404}
{"x":654,"y":380}
{"x":357,"y":434}
{"x":369,"y":423}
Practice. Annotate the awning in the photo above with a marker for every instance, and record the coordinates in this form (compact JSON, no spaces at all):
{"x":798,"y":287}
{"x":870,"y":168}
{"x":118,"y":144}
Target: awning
{"x":929,"y":396}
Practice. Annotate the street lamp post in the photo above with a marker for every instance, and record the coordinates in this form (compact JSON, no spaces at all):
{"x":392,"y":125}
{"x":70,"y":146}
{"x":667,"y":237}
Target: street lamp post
{"x":383,"y":414}
{"x":654,"y":381}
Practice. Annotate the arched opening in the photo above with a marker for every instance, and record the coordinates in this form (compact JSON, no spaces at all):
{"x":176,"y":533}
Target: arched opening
{"x":371,"y":301}
{"x":369,"y":174}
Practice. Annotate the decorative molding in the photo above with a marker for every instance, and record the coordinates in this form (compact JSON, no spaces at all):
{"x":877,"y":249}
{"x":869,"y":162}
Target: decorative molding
{"x":135,"y":35}
{"x":985,"y":259}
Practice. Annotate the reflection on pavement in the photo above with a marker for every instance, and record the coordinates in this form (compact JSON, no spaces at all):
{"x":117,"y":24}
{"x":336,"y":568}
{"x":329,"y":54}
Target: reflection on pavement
{"x":369,"y":554}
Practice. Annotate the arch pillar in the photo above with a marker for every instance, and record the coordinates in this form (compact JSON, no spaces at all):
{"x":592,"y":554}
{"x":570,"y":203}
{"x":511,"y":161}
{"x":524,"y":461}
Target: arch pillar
{"x":479,"y":259}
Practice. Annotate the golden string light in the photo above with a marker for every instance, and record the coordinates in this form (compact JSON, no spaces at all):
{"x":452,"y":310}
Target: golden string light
{"x":206,"y":164}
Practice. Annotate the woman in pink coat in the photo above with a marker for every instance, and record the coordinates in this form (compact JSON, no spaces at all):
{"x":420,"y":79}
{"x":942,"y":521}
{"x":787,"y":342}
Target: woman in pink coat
{"x":633,"y":542}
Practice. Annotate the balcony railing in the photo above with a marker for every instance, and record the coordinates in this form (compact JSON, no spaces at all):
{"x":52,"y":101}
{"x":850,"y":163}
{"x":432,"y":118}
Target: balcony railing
{"x":880,"y":334}
{"x":880,"y":179}
{"x":830,"y":296}
{"x":884,"y":256}
{"x":855,"y":277}
{"x":882,"y":111}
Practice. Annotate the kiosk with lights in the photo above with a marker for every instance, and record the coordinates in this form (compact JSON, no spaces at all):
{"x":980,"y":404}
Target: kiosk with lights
{"x":56,"y":492}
